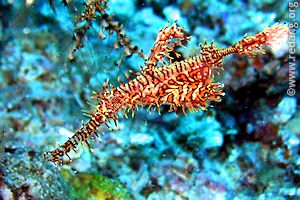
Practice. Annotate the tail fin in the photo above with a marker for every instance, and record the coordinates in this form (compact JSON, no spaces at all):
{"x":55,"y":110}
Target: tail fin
{"x":270,"y":36}
{"x":106,"y":110}
{"x":56,"y":156}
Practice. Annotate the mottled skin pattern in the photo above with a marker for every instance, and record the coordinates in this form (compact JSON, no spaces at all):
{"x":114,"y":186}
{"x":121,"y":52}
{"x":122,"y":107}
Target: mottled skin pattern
{"x":187,"y":84}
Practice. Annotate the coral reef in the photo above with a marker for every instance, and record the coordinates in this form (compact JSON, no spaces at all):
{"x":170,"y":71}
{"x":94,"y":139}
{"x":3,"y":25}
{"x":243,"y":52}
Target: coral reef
{"x":24,"y":175}
{"x":245,"y":147}
{"x":95,"y":186}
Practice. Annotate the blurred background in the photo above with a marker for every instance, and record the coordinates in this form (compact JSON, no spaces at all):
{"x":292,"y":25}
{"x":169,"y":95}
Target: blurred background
{"x":245,"y":147}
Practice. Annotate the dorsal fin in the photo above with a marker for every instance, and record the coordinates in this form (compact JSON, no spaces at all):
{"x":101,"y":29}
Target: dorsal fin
{"x":167,"y":39}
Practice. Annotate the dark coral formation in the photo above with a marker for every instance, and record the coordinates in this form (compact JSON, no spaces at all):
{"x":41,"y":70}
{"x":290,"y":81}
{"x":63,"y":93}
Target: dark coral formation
{"x":25,"y":175}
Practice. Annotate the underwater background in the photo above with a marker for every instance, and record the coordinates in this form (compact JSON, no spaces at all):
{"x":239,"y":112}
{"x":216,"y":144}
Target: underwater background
{"x":245,"y":147}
